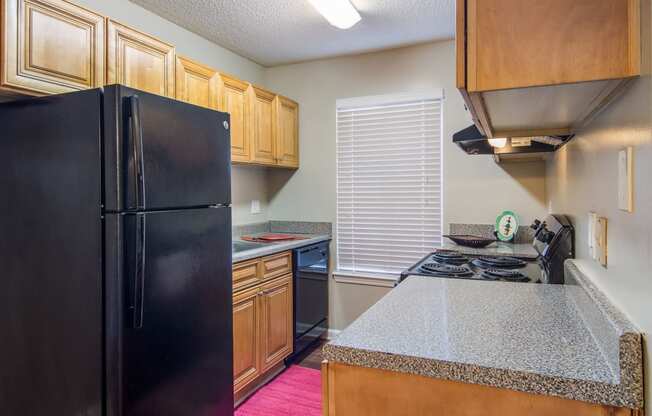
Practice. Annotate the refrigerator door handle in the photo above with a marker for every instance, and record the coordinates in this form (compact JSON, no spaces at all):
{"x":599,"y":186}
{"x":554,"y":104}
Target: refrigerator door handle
{"x":136,"y":130}
{"x":139,"y":273}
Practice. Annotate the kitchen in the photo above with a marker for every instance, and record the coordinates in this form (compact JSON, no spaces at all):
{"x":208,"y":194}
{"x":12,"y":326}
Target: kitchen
{"x":289,"y":98}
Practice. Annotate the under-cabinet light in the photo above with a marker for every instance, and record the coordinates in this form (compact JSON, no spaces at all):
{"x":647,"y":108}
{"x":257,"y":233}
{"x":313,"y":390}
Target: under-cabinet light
{"x":498,"y":142}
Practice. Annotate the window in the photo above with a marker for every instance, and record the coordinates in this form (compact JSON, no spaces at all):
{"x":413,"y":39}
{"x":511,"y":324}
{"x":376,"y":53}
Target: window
{"x":389,"y":205}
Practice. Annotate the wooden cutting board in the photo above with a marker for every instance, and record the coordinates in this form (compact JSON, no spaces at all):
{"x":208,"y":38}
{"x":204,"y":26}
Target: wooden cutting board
{"x":270,"y":237}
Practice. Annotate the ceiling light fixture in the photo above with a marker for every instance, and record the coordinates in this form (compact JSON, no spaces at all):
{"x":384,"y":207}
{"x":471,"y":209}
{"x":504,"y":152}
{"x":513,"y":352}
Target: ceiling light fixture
{"x":339,"y":13}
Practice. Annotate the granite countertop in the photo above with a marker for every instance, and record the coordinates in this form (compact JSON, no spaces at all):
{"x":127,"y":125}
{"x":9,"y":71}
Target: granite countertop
{"x":277,"y":247}
{"x":558,"y":340}
{"x":520,"y":250}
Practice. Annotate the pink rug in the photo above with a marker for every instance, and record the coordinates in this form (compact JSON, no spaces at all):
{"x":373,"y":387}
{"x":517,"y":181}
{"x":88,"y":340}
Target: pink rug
{"x":295,"y":392}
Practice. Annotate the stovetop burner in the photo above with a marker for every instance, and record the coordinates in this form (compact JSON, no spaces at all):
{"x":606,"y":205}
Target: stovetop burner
{"x":449,"y":257}
{"x":498,"y":263}
{"x":445,"y":270}
{"x":453,"y":264}
{"x":503,"y":274}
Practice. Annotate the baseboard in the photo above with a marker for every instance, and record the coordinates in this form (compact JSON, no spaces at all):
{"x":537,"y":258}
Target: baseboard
{"x":255,"y":385}
{"x":332,"y":334}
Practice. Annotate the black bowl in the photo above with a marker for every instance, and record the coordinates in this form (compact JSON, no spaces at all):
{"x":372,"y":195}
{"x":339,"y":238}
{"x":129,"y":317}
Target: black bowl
{"x":470,"y":240}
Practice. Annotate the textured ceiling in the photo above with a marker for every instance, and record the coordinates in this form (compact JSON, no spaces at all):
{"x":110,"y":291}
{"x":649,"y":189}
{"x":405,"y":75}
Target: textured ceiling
{"x":274,"y":32}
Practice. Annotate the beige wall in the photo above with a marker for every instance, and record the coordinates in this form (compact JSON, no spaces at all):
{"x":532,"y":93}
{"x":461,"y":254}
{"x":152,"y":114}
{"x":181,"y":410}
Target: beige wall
{"x":475,"y":188}
{"x":582,"y":177}
{"x":248,"y":182}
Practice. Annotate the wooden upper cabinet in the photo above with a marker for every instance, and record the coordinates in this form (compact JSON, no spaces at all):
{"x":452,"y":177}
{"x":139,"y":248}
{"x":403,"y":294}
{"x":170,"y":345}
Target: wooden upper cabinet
{"x":54,"y":46}
{"x":233,"y":100}
{"x":50,"y":46}
{"x":524,"y":43}
{"x":262,"y":131}
{"x":544,"y":68}
{"x":287,"y":132}
{"x":246,"y":341}
{"x":196,"y":83}
{"x":276,"y":321}
{"x":140,"y":61}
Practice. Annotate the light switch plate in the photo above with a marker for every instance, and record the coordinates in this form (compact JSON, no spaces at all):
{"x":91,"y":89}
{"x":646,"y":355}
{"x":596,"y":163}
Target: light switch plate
{"x":601,"y":241}
{"x":626,"y":179}
{"x":592,"y":219}
{"x":255,"y":206}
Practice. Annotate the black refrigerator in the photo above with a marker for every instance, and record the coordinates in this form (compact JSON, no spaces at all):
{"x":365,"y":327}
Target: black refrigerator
{"x":115,"y":256}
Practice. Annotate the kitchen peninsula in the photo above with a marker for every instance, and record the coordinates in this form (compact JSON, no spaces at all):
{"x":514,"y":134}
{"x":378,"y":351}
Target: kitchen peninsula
{"x":435,"y":345}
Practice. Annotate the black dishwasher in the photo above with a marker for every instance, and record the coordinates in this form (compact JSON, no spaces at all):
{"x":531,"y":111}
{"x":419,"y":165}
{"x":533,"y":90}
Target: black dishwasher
{"x":310,"y":295}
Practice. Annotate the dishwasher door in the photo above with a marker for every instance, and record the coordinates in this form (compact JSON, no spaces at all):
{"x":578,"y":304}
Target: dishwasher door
{"x":310,"y":295}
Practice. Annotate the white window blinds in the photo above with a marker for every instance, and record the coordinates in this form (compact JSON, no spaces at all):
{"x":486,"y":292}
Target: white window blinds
{"x":389,"y":206}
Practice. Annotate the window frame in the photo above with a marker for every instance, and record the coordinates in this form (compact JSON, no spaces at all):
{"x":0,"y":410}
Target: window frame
{"x":387,"y":279}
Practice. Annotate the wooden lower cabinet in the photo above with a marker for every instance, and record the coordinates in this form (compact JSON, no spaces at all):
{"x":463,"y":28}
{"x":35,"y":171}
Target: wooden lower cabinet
{"x":262,"y":324}
{"x":276,"y":326}
{"x":246,"y":345}
{"x":361,"y":391}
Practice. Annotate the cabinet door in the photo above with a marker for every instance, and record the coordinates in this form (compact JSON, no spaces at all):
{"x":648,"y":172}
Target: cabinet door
{"x":196,"y":83}
{"x":139,"y":61}
{"x":233,"y":100}
{"x":524,"y":43}
{"x":246,"y":351}
{"x":287,"y":132}
{"x":50,"y":47}
{"x":276,"y":321}
{"x":262,"y":126}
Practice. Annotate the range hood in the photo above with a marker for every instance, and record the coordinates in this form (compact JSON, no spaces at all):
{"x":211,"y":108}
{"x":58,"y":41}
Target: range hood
{"x":473,"y":142}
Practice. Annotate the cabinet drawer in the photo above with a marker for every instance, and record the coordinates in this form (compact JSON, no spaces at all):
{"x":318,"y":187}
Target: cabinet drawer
{"x":246,"y":274}
{"x":277,"y":265}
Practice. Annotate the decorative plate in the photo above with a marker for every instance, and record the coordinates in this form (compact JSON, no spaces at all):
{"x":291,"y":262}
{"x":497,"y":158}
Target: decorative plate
{"x":506,"y":226}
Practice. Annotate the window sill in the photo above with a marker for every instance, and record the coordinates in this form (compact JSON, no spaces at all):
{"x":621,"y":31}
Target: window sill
{"x":369,"y":279}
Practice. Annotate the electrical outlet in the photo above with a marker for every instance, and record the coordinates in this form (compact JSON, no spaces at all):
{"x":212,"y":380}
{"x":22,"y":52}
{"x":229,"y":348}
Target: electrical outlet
{"x":255,"y":206}
{"x":626,"y":179}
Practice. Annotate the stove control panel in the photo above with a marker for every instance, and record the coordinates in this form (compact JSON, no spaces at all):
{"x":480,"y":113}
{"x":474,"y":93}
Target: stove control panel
{"x":554,"y":241}
{"x":545,"y":236}
{"x":535,"y":225}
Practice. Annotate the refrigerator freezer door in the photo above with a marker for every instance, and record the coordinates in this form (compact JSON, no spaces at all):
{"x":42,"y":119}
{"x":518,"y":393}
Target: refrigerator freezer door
{"x":169,"y":315}
{"x":51,"y":256}
{"x":163,"y":154}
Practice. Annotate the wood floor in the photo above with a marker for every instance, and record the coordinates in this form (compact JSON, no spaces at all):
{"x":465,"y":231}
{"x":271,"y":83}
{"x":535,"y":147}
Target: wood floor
{"x":312,"y":357}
